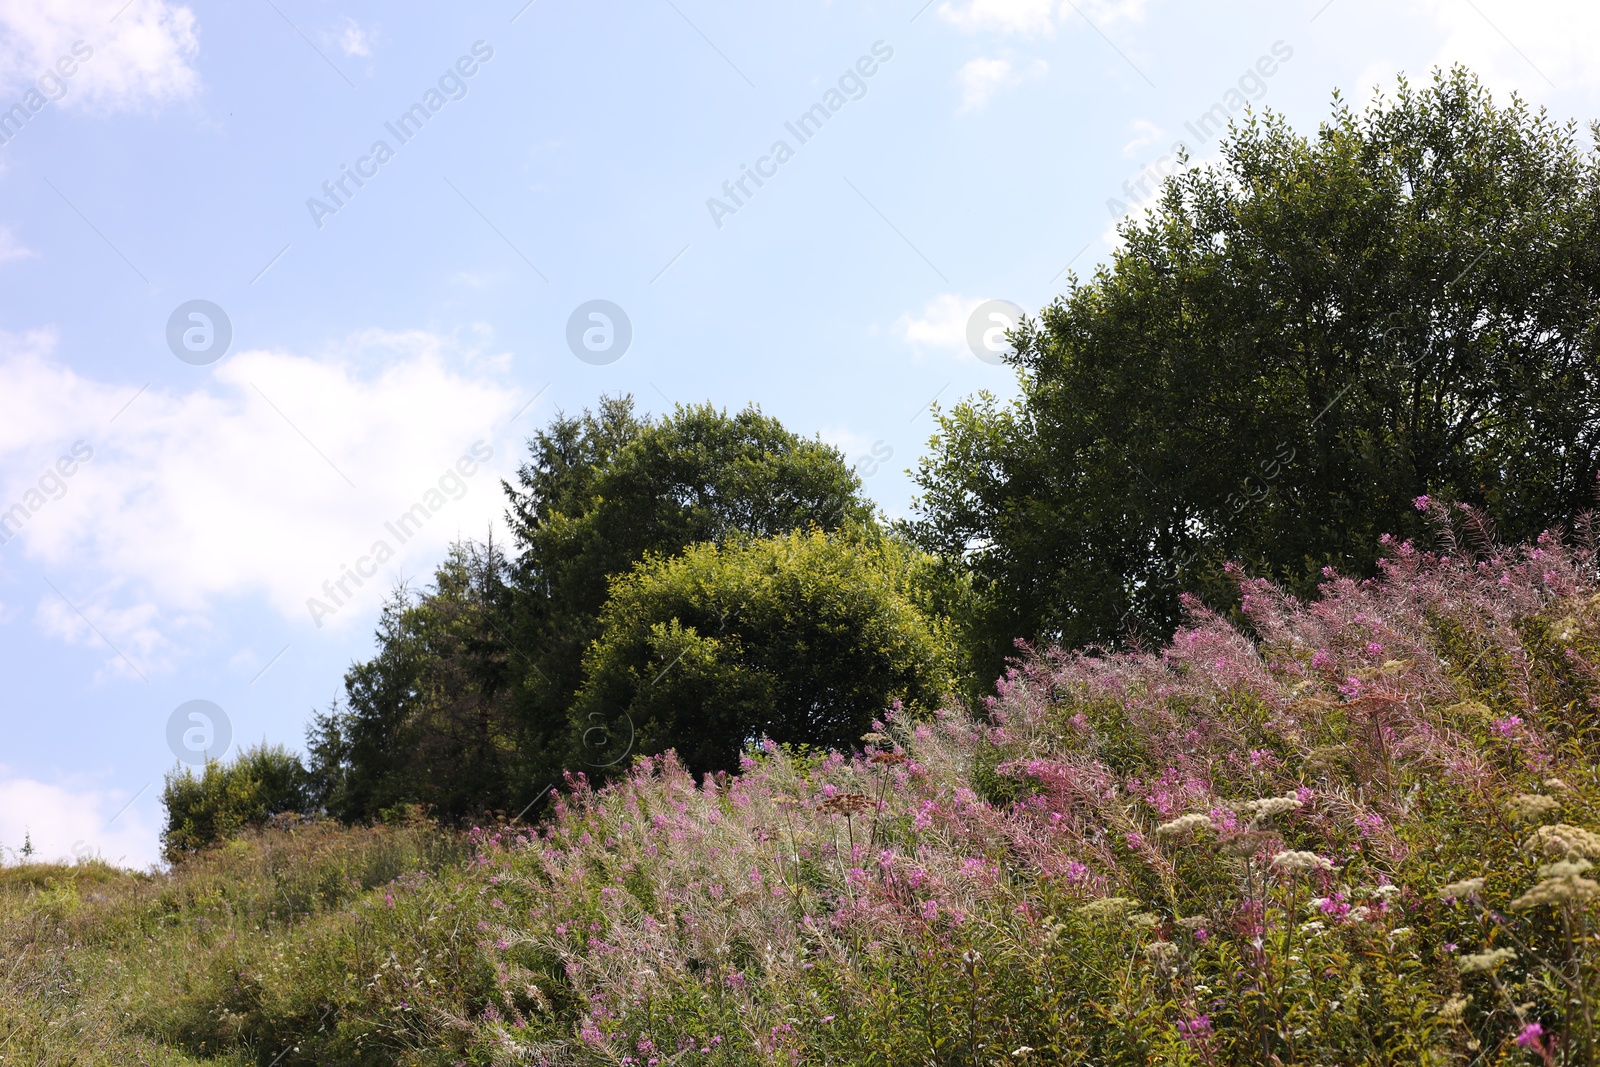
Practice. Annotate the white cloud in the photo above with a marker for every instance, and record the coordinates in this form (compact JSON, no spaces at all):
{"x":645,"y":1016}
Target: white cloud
{"x":1144,"y":132}
{"x":195,"y":496}
{"x":64,"y":823}
{"x":11,"y":249}
{"x":1520,"y":45}
{"x":1032,"y":18}
{"x":353,"y":39}
{"x":983,"y":77}
{"x":942,"y":324}
{"x":138,"y":59}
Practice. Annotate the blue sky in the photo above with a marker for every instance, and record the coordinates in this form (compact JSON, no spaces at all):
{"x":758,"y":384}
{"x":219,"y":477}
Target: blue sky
{"x":394,"y":341}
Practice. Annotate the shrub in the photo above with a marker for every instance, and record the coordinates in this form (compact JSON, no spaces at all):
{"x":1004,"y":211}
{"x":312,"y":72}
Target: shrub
{"x":203,"y":811}
{"x":802,"y":638}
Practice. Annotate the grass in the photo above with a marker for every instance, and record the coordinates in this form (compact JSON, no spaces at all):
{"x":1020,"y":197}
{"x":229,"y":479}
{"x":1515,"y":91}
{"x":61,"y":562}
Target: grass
{"x":1258,"y":845}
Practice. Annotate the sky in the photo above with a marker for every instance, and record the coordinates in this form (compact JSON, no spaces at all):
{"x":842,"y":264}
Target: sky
{"x":285,"y":285}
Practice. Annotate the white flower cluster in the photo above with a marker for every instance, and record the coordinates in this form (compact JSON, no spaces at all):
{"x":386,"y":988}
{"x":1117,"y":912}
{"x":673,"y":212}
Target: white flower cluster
{"x":1297,"y":862}
{"x":1184,"y":825}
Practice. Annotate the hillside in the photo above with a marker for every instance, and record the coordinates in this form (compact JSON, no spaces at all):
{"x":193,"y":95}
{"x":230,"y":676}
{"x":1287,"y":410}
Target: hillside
{"x":1355,"y":830}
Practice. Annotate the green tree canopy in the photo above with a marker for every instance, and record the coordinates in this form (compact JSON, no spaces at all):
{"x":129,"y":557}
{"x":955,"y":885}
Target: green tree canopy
{"x":206,"y":809}
{"x":465,"y":706}
{"x":802,"y":638}
{"x":1287,"y":350}
{"x":429,"y":719}
{"x":602,"y":491}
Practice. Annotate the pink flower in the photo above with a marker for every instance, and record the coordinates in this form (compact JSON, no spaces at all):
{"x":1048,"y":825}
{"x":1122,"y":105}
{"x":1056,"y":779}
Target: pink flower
{"x":1422,"y":502}
{"x":1507,"y":726}
{"x":1532,"y":1036}
{"x":1321,"y":658}
{"x":930,"y":910}
{"x":1374,"y":649}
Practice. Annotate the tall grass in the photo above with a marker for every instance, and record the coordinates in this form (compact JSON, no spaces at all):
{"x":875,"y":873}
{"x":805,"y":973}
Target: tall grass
{"x":1351,"y":831}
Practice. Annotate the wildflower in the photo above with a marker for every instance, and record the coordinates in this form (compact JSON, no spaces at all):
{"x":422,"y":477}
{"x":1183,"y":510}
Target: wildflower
{"x":1107,"y":907}
{"x":1530,"y":807}
{"x":1466,"y":889}
{"x":1564,"y":868}
{"x":1507,"y":726}
{"x":1267,"y":807}
{"x":1021,"y":1051}
{"x":1321,"y":658}
{"x":1183,"y":825}
{"x":1558,"y":889}
{"x":1161,"y":953}
{"x":1452,"y":1010}
{"x":1563,"y":839}
{"x":1313,"y":928}
{"x":1296,"y":862}
{"x":1532,"y":1035}
{"x":1192,"y":922}
{"x":1195,"y":1029}
{"x":1556,"y":785}
{"x":1489,"y":961}
{"x":1147,"y":919}
{"x":847,"y":803}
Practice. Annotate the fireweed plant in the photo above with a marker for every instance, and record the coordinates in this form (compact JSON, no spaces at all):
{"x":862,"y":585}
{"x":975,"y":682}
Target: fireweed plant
{"x":1355,"y":830}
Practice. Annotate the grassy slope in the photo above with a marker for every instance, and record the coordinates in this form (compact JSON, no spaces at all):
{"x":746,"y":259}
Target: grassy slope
{"x":1018,"y":890}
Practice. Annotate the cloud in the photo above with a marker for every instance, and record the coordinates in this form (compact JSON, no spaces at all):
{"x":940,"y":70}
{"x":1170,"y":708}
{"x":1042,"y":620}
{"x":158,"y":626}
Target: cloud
{"x":64,"y":823}
{"x":1144,"y":132}
{"x":983,"y":77}
{"x":1033,"y":18}
{"x":1520,"y":46}
{"x":11,"y":249}
{"x":237,"y":487}
{"x":943,"y":323}
{"x":138,"y":60}
{"x":353,"y":39}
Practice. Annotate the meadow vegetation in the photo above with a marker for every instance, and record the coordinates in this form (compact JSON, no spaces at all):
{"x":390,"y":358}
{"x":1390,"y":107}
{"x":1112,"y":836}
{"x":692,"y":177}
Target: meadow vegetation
{"x":1354,"y":830}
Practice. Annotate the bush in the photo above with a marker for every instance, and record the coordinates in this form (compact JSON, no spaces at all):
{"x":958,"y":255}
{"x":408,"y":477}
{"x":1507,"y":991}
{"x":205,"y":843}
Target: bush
{"x":203,"y":811}
{"x":803,"y":639}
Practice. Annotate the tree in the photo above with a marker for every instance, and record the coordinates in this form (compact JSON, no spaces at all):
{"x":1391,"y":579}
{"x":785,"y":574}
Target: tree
{"x":1291,"y":347}
{"x":802,"y":638}
{"x":601,"y":492}
{"x":226,"y":798}
{"x":465,"y":705}
{"x":429,"y":718}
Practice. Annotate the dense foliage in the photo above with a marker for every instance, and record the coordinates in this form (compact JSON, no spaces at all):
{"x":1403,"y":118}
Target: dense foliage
{"x":1361,"y":837}
{"x":227,"y":797}
{"x":802,"y":639}
{"x":468,"y":705}
{"x":1287,"y":349}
